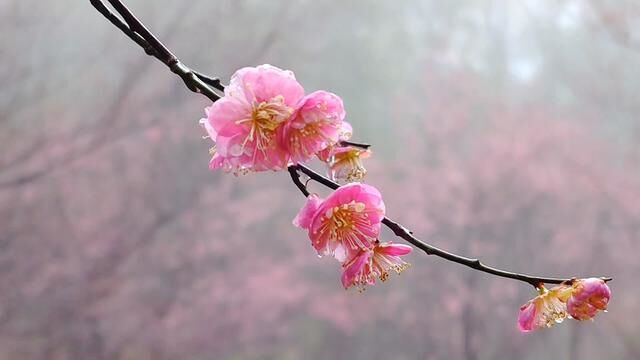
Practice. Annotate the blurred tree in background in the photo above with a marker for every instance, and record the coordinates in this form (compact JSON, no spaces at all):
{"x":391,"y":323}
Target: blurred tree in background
{"x":503,"y":130}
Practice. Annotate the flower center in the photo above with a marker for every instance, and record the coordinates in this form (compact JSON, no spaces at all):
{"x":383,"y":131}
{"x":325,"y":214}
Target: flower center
{"x":345,"y":223}
{"x":351,"y":161}
{"x":265,"y":119}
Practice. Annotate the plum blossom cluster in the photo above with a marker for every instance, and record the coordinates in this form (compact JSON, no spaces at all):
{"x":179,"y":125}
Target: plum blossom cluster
{"x":346,"y":225}
{"x":581,"y":300}
{"x":264,"y":121}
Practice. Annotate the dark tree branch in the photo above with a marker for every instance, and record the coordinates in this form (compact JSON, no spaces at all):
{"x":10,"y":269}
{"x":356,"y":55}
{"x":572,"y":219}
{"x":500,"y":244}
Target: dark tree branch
{"x":295,"y":177}
{"x":203,"y":84}
{"x":355,"y":144}
{"x":136,"y":31}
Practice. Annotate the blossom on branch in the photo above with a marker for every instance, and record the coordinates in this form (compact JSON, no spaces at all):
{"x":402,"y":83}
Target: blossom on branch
{"x":581,"y":301}
{"x":245,"y":122}
{"x":348,"y":220}
{"x":343,"y":159}
{"x":545,"y":310}
{"x":316,"y":125}
{"x":363,"y":267}
{"x":346,"y":226}
{"x":264,"y":121}
{"x":588,"y":296}
{"x":345,"y":162}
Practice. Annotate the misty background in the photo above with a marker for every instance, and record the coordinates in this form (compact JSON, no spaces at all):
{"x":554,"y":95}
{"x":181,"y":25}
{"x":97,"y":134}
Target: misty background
{"x":503,"y":130}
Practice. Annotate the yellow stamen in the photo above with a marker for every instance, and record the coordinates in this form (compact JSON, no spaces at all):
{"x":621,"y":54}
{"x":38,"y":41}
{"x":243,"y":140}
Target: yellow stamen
{"x":265,"y":118}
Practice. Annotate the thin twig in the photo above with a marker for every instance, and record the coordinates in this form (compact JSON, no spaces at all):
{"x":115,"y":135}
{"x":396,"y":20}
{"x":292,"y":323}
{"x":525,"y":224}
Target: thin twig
{"x":355,"y":144}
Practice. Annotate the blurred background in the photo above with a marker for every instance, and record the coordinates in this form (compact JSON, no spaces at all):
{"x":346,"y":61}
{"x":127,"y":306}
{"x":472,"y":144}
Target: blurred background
{"x":504,"y":130}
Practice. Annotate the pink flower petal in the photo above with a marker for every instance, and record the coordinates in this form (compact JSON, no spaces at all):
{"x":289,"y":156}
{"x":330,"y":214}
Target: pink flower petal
{"x":349,"y":217}
{"x":245,"y":123}
{"x":527,"y":315}
{"x":589,"y":296}
{"x":316,"y":125}
{"x":262,"y":83}
{"x":395,"y":249}
{"x":353,"y":271}
{"x":308,"y":211}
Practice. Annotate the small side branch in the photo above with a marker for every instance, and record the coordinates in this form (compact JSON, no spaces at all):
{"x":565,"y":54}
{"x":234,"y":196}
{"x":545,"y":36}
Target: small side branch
{"x":355,"y":144}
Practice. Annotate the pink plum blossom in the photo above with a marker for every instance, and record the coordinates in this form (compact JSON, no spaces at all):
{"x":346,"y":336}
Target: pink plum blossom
{"x":345,"y":162}
{"x":365,"y":265}
{"x":581,"y":301}
{"x":316,"y":125}
{"x":588,"y":296}
{"x":245,"y":122}
{"x":346,"y":131}
{"x":305,"y":216}
{"x":347,"y":221}
{"x":545,"y":310}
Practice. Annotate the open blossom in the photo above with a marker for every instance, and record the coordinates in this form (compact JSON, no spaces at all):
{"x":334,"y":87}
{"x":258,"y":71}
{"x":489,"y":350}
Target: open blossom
{"x":365,"y":265}
{"x":588,"y":296}
{"x":316,"y":125}
{"x":346,"y":225}
{"x":346,"y":131}
{"x":347,"y":221}
{"x":545,"y":310}
{"x":245,"y":122}
{"x":264,"y":121}
{"x":345,"y":162}
{"x":581,"y":301}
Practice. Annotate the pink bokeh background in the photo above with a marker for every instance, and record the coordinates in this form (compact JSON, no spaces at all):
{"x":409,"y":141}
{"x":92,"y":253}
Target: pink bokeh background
{"x":500,"y":130}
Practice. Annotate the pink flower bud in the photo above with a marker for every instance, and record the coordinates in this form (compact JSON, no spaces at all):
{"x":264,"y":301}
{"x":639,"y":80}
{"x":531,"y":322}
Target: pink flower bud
{"x":588,"y":296}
